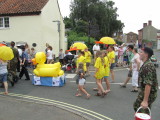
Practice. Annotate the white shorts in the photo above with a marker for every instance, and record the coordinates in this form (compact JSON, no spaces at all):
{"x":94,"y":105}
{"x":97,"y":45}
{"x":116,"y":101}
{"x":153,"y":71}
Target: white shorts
{"x":135,"y":78}
{"x":82,"y":81}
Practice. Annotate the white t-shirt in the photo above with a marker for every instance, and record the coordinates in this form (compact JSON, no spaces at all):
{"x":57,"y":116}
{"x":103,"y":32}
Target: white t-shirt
{"x":20,"y":52}
{"x":49,"y":54}
{"x":96,"y":47}
{"x":116,"y":50}
{"x":134,"y":64}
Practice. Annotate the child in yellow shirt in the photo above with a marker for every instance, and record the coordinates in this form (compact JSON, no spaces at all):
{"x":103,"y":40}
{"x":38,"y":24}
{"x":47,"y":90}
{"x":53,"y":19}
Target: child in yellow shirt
{"x":82,"y":59}
{"x":99,"y":74}
{"x":107,"y":71}
{"x":88,"y":59}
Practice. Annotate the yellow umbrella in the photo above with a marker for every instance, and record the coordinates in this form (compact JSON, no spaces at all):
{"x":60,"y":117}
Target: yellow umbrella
{"x":107,"y":40}
{"x":6,"y":53}
{"x":78,"y":45}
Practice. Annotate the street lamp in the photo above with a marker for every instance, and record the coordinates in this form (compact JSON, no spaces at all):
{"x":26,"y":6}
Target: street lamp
{"x":59,"y":29}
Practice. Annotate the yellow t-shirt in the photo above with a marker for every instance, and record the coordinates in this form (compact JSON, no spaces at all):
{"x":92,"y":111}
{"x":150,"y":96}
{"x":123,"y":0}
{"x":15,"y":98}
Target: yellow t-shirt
{"x":82,"y":59}
{"x":106,"y":66}
{"x":111,"y":55}
{"x":99,"y":65}
{"x":88,"y":57}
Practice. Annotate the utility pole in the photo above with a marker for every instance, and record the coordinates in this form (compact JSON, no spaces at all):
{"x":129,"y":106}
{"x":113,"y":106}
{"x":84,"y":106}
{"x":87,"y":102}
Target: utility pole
{"x":59,"y":30}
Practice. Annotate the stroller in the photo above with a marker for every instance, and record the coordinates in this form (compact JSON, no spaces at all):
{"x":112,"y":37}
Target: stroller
{"x":154,"y":61}
{"x":69,"y":64}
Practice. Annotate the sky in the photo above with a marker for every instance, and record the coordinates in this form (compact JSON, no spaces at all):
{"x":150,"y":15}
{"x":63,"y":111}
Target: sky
{"x":133,"y":13}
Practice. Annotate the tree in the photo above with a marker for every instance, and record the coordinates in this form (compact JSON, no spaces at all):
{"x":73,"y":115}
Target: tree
{"x":96,"y":12}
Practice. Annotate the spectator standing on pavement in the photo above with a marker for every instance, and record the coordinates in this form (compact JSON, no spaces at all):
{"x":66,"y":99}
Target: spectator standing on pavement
{"x":135,"y":68}
{"x":61,"y":56}
{"x":148,"y":82}
{"x":96,"y":48}
{"x":3,"y":75}
{"x":32,"y":53}
{"x":81,"y":81}
{"x":24,"y":64}
{"x":120,"y":56}
{"x":13,"y":63}
{"x":20,"y":56}
{"x":111,"y":56}
{"x":116,"y":54}
{"x":49,"y":55}
{"x":88,"y":59}
{"x":130,"y":56}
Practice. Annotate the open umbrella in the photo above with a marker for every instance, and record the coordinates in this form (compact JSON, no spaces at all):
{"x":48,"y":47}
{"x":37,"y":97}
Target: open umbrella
{"x":72,"y":49}
{"x":78,"y":45}
{"x":6,"y":53}
{"x":107,"y":40}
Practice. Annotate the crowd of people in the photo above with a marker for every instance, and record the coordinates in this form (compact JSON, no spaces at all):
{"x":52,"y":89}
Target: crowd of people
{"x":141,"y":70}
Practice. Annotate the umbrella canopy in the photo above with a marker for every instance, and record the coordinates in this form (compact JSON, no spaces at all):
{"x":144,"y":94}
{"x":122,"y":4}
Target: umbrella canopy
{"x":6,"y":53}
{"x":72,"y":49}
{"x":80,"y":46}
{"x":107,"y":40}
{"x":2,"y":45}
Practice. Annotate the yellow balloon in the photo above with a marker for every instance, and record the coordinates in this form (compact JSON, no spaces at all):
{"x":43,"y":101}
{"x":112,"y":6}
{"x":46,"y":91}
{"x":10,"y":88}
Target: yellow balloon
{"x":6,"y":53}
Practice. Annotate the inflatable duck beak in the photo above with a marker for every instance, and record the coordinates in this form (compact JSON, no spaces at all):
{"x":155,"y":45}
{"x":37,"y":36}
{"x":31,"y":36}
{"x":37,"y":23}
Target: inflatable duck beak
{"x":34,"y":61}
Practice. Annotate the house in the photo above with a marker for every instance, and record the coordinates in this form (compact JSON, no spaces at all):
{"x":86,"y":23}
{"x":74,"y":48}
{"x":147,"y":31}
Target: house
{"x":148,"y":35}
{"x":158,"y":39}
{"x":35,"y":22}
{"x":131,"y":37}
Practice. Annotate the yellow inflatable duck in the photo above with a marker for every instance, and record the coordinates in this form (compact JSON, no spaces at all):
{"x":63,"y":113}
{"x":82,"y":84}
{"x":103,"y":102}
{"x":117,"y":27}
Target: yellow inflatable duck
{"x":6,"y":53}
{"x":46,"y":70}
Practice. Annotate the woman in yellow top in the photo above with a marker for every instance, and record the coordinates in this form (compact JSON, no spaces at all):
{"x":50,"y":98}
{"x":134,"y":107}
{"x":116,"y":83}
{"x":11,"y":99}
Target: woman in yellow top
{"x":82,"y":59}
{"x":107,"y":71}
{"x":111,"y":56}
{"x":99,"y":74}
{"x":88,"y":59}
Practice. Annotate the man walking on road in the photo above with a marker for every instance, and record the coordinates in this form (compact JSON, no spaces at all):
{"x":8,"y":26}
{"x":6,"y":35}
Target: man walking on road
{"x":147,"y":81}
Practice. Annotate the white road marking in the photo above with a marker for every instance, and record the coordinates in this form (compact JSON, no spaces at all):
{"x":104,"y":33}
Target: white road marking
{"x":159,"y":87}
{"x":30,"y":74}
{"x":115,"y":70}
{"x":70,"y":76}
{"x":103,"y":82}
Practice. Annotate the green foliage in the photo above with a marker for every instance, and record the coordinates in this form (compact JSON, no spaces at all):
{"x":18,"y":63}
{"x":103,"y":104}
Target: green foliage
{"x":73,"y":36}
{"x":97,"y":12}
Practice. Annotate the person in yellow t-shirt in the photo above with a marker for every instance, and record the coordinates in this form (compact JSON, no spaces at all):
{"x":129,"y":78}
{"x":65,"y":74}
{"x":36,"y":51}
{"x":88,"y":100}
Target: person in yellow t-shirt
{"x":111,"y":56}
{"x":99,"y":74}
{"x":88,"y":59}
{"x":82,"y":59}
{"x":107,"y":71}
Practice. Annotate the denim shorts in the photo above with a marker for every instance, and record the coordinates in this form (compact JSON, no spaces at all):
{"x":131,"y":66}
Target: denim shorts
{"x":106,"y":76}
{"x":3,"y":77}
{"x":112,"y":66}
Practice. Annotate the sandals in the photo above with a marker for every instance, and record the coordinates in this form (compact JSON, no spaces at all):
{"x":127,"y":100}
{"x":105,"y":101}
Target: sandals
{"x":103,"y":94}
{"x":78,"y":95}
{"x":5,"y":93}
{"x":134,"y":90}
{"x":95,"y":89}
{"x":123,"y":86}
{"x":98,"y":94}
{"x":88,"y":96}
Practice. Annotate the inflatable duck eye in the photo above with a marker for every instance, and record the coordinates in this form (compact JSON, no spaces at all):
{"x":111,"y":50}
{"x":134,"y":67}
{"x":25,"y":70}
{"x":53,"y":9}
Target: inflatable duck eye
{"x":40,"y":57}
{"x":6,"y":53}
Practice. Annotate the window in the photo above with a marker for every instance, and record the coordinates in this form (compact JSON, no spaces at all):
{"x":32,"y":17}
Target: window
{"x":4,"y":22}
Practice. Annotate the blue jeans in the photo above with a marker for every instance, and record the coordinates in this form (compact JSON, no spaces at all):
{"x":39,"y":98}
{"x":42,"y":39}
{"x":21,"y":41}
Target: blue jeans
{"x":3,"y":77}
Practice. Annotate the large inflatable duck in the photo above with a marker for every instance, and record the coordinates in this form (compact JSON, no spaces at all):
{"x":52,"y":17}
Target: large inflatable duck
{"x":46,"y":70}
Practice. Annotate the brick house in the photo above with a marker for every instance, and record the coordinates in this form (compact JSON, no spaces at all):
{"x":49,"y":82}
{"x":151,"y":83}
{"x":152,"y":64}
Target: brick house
{"x":131,"y":37}
{"x":147,"y":36}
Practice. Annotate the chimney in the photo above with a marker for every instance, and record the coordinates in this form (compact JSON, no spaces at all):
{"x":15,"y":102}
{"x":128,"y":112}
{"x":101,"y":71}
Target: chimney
{"x":150,"y":22}
{"x":144,"y":25}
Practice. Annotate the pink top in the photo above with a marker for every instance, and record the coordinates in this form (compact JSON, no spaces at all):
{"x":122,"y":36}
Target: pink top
{"x":120,"y":51}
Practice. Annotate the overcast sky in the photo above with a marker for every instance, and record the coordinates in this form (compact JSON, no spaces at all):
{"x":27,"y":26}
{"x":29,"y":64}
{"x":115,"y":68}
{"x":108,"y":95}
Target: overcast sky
{"x":133,"y":13}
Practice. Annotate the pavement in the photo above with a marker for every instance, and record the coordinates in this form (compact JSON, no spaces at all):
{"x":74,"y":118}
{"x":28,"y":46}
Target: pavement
{"x":117,"y":105}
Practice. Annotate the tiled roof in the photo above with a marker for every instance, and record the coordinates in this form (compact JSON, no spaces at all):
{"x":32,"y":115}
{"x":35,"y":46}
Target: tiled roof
{"x":21,"y":7}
